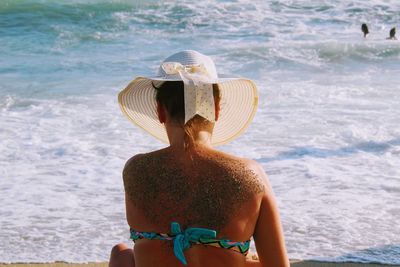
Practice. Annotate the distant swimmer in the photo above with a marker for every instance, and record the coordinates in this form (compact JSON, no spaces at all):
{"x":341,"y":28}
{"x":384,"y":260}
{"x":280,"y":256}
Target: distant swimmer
{"x":364,"y":29}
{"x":392,"y":34}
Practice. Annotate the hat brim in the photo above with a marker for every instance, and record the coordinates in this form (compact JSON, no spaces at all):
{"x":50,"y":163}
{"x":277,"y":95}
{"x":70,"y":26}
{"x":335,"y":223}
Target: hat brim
{"x":239,"y":101}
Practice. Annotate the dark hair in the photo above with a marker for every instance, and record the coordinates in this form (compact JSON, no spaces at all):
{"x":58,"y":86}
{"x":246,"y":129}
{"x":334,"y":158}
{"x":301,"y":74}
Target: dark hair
{"x":170,"y":95}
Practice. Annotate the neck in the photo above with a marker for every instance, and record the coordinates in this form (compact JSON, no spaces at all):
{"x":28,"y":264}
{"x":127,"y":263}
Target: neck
{"x":176,"y":135}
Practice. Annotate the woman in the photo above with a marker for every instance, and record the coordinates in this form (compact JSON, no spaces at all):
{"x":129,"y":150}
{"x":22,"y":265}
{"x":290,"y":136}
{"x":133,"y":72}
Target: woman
{"x":189,"y":204}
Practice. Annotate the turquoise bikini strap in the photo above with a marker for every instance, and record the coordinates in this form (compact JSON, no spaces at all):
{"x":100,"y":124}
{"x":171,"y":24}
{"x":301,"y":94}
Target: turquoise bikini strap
{"x":183,"y":239}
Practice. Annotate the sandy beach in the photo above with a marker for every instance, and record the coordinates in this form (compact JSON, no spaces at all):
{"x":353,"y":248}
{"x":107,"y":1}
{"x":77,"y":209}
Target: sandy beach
{"x":293,"y":263}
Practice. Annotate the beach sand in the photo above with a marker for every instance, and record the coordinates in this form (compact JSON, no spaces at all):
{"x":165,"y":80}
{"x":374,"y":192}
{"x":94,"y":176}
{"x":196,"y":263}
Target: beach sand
{"x":105,"y":264}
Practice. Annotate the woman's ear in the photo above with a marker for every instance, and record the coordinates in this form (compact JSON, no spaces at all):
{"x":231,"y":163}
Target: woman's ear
{"x":161,"y":112}
{"x":217,"y":108}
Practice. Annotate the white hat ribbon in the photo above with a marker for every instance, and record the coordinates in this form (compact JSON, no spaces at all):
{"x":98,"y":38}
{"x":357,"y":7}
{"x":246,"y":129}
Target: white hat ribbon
{"x":198,"y":89}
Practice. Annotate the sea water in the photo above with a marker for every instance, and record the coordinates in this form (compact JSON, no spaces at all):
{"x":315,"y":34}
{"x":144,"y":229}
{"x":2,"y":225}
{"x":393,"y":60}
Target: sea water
{"x":327,"y":128}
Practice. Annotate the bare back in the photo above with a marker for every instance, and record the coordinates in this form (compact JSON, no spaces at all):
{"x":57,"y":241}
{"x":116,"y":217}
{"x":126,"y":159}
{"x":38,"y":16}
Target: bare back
{"x":207,"y":189}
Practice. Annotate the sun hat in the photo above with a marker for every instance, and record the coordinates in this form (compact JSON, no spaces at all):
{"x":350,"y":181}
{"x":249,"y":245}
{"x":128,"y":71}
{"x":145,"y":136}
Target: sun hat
{"x":239,"y":97}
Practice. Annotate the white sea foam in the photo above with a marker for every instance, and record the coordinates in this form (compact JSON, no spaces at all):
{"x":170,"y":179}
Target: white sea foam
{"x":326,"y":131}
{"x":61,"y":188}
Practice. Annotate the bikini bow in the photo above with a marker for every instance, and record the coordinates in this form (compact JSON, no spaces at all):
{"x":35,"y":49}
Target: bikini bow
{"x":183,"y":239}
{"x":198,"y":89}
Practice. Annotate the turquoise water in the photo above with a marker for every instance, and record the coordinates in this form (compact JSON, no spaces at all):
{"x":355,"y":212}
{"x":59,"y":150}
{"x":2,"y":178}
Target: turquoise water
{"x":326,"y":130}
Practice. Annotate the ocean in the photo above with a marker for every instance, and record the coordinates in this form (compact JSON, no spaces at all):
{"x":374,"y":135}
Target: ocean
{"x":326,"y":132}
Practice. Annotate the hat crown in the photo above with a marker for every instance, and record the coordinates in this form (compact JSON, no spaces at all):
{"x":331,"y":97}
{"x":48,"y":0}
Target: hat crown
{"x":189,"y":58}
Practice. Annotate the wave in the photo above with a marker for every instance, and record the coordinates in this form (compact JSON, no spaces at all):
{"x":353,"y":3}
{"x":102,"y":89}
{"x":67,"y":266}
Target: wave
{"x":312,"y":55}
{"x":363,"y":51}
{"x":244,"y":19}
{"x":32,"y":14}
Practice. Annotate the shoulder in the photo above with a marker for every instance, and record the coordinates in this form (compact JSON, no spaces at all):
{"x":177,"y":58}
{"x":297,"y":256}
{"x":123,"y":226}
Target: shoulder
{"x":138,"y":165}
{"x":252,"y":164}
{"x":132,"y":163}
{"x":142,"y":158}
{"x":134,"y":160}
{"x":130,"y":167}
{"x":251,"y":169}
{"x":248,"y":164}
{"x":258,"y":170}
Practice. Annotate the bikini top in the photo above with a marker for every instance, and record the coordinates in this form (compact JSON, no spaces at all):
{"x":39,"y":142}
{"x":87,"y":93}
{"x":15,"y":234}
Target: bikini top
{"x":183,"y":240}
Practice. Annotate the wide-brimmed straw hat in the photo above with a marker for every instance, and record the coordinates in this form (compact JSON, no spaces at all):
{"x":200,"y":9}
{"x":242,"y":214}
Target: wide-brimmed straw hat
{"x":239,"y":97}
